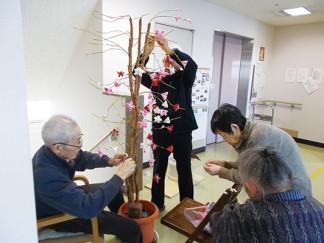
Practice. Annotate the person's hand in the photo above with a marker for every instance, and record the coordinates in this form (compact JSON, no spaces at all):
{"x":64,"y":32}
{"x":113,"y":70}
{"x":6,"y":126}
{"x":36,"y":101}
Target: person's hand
{"x":149,"y":47}
{"x":163,"y":43}
{"x":126,"y":169}
{"x":212,"y":167}
{"x":117,"y":159}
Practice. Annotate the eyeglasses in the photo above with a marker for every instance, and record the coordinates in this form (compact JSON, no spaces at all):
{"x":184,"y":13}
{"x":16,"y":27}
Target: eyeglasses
{"x":71,"y":145}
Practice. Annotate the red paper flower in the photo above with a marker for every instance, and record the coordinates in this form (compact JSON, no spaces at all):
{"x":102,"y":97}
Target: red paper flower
{"x":170,"y":149}
{"x":153,"y":146}
{"x":176,"y":107}
{"x":146,"y":108}
{"x":155,"y":83}
{"x":149,"y":136}
{"x":167,"y":60}
{"x":170,"y":128}
{"x":157,"y":178}
{"x":120,"y":74}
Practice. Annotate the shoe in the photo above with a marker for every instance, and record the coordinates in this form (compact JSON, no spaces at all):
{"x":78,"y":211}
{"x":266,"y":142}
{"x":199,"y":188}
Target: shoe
{"x":162,"y":209}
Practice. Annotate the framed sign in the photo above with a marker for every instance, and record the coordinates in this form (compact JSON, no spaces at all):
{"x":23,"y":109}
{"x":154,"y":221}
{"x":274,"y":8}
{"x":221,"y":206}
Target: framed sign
{"x":261,"y":55}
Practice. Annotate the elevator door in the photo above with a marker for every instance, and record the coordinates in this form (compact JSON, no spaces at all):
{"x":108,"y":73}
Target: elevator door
{"x":227,"y":53}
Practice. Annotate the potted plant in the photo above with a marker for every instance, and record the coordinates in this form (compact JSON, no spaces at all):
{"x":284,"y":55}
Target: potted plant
{"x":134,"y":208}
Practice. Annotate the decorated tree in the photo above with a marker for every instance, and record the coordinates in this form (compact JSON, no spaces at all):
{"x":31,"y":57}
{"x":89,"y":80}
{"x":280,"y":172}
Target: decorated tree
{"x":138,"y":42}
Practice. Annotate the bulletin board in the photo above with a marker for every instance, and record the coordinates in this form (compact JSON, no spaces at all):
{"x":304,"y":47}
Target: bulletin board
{"x":200,"y":89}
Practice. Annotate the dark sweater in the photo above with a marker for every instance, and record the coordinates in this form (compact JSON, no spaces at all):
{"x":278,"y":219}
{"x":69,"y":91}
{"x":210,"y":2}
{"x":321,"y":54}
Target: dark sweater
{"x":55,"y":192}
{"x":280,"y":217}
{"x":179,"y":88}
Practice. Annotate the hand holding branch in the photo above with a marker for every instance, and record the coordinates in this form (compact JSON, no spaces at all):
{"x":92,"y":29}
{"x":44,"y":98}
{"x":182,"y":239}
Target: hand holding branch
{"x":126,"y":169}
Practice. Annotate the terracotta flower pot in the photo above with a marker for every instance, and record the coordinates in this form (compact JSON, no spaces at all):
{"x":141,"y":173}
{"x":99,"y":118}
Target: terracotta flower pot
{"x":147,"y":224}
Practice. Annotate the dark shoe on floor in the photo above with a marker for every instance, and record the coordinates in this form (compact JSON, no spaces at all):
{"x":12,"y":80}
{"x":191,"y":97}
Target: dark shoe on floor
{"x":162,"y":209}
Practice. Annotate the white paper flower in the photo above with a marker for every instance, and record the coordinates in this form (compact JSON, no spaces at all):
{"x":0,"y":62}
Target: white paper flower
{"x":165,"y":104}
{"x":157,"y":119}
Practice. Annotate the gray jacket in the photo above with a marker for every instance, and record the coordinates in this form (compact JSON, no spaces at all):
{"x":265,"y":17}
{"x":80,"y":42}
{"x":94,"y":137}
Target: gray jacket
{"x":255,"y":134}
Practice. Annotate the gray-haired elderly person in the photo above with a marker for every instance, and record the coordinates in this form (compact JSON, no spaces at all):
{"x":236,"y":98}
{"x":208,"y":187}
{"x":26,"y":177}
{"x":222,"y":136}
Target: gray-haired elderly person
{"x":242,"y":134}
{"x":277,"y":210}
{"x":54,"y":166}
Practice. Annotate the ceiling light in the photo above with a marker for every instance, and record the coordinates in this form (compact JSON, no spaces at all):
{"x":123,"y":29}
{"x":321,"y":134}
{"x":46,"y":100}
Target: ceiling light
{"x":297,"y":11}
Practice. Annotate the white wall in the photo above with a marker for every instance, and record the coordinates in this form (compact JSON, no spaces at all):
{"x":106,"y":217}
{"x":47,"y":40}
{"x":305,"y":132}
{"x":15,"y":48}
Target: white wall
{"x":206,"y":17}
{"x":75,"y":97}
{"x":299,"y":46}
{"x":17,"y":204}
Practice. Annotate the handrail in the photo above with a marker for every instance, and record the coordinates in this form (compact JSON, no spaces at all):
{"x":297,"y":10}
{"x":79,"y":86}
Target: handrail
{"x":275,"y":102}
{"x":100,"y":141}
{"x":253,"y":110}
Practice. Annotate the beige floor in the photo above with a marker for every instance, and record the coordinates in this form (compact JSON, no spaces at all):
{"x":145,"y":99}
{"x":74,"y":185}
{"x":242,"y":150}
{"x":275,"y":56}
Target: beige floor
{"x":211,"y":187}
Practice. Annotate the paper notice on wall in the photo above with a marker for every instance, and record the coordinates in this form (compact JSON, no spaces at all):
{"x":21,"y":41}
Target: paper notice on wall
{"x":258,"y":81}
{"x":310,"y":86}
{"x":302,"y":75}
{"x":317,"y":75}
{"x":200,"y":89}
{"x":291,"y":74}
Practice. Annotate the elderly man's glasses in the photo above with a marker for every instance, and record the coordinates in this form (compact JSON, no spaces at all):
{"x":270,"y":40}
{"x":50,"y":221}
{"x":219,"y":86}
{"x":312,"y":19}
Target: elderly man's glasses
{"x":71,"y":145}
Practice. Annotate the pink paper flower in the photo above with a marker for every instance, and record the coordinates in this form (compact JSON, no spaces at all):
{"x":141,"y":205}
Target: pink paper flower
{"x":143,"y":123}
{"x":157,"y":178}
{"x":143,"y":112}
{"x":163,"y":112}
{"x":163,"y":73}
{"x":108,"y":91}
{"x":158,"y":34}
{"x":114,"y":134}
{"x":100,"y":152}
{"x":130,"y":106}
{"x":184,"y":63}
{"x":165,"y":95}
{"x":151,"y":162}
{"x":151,"y":102}
{"x":117,"y":83}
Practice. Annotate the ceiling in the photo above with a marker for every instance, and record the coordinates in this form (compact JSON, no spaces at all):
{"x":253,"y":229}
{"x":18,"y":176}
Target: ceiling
{"x":264,"y":10}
